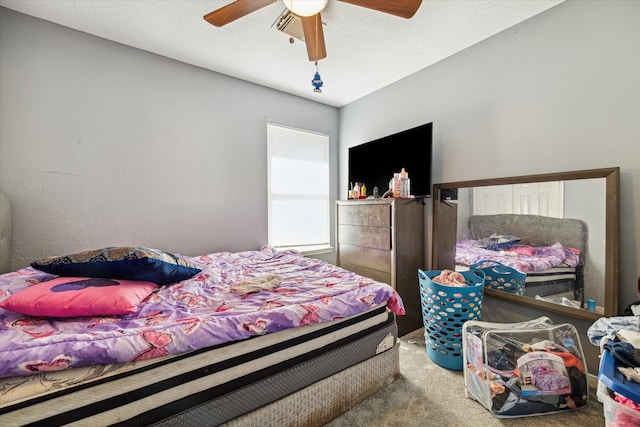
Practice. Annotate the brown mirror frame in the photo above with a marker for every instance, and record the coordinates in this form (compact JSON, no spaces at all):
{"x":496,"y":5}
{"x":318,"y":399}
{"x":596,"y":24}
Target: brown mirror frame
{"x":444,"y":243}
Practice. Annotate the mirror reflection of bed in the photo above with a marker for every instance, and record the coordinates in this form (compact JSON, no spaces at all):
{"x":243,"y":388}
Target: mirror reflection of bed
{"x":570,"y":219}
{"x":551,"y":251}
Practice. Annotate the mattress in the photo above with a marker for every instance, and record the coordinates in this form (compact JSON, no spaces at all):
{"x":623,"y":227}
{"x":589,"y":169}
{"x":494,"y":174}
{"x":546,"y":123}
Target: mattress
{"x":205,"y":310}
{"x":149,"y":391}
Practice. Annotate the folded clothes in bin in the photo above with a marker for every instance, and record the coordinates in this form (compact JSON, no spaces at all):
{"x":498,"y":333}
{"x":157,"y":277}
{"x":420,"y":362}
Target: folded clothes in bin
{"x":522,"y":369}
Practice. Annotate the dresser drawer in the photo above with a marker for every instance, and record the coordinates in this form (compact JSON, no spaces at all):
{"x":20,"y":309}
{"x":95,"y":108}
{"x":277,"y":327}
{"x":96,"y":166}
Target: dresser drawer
{"x":380,"y":276}
{"x":365,"y":214}
{"x":374,"y":259}
{"x":369,"y":237}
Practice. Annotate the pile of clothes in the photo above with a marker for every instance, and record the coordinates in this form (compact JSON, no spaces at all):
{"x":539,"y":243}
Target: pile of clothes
{"x":450,"y":278}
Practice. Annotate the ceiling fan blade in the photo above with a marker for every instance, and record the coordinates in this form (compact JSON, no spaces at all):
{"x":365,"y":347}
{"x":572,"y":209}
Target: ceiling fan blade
{"x":235,"y":10}
{"x":401,"y":8}
{"x":314,"y":37}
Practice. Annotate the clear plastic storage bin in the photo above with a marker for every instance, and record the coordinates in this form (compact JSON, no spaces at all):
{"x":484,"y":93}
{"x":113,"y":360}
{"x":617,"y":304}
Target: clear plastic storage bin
{"x":523,"y":369}
{"x":611,"y":380}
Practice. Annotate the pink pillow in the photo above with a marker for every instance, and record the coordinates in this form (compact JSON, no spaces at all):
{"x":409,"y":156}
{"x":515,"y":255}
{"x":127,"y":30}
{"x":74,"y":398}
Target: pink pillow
{"x":79,"y":296}
{"x":522,"y":250}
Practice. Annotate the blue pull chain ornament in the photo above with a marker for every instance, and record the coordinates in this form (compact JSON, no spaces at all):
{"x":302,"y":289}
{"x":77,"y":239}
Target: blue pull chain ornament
{"x":317,"y":81}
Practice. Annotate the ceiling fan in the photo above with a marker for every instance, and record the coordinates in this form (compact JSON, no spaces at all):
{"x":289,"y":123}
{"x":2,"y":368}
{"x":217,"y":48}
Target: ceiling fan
{"x":309,"y":13}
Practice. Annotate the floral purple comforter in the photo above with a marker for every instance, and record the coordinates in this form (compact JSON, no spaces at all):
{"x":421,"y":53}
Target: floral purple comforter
{"x":196,"y":313}
{"x":521,"y":257}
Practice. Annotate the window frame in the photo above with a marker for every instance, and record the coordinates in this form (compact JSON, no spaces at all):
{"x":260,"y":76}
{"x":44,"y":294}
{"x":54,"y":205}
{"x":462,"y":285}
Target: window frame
{"x":276,"y":146}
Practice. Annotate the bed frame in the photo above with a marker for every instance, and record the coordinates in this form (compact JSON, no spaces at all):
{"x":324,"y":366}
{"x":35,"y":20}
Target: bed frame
{"x":538,"y":230}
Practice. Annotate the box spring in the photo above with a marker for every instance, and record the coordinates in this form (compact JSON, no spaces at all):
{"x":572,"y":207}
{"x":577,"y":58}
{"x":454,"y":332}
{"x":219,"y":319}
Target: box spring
{"x":552,"y":281}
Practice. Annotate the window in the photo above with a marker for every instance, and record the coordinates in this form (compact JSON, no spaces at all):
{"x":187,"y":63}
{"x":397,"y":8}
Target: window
{"x":298,"y":188}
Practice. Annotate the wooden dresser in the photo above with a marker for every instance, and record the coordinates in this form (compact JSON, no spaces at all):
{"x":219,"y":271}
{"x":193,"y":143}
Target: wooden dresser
{"x":384,"y":239}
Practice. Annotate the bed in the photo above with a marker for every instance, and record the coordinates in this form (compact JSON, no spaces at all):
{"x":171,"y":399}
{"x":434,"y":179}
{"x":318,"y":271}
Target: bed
{"x":551,"y":251}
{"x":250,"y":338}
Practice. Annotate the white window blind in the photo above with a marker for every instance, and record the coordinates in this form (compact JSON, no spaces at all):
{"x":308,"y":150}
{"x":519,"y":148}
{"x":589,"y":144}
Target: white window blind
{"x":298,"y":187}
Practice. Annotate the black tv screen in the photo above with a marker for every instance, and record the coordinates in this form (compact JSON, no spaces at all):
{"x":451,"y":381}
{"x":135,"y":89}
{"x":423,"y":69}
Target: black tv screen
{"x":374,"y":163}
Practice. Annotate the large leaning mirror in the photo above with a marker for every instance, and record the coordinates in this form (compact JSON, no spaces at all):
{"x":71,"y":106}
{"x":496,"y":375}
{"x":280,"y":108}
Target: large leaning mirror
{"x":561,"y":229}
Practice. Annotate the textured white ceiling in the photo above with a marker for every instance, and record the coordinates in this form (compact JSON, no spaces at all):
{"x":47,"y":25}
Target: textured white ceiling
{"x":366,"y":50}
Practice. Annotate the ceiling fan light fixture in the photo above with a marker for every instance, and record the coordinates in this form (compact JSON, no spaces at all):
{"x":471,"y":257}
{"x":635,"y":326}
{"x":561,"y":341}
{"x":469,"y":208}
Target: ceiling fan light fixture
{"x":305,"y":7}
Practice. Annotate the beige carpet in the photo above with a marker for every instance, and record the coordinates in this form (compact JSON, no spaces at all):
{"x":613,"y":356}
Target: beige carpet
{"x":426,"y":394}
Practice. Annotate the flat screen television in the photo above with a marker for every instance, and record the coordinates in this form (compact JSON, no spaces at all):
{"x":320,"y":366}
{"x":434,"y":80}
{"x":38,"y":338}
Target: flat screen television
{"x":374,"y":163}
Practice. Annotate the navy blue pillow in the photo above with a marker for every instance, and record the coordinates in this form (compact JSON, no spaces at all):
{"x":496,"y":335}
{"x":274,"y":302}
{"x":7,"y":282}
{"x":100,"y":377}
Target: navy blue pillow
{"x":498,"y":242}
{"x":126,"y":263}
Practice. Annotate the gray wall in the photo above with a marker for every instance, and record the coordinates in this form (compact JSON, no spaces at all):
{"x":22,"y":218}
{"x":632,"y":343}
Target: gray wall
{"x":102,"y":144}
{"x":558,"y":92}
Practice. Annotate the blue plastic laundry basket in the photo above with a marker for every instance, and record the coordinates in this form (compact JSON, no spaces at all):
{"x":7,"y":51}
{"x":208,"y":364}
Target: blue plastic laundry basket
{"x":444,"y":311}
{"x":502,"y":278}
